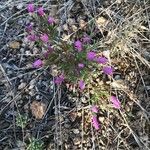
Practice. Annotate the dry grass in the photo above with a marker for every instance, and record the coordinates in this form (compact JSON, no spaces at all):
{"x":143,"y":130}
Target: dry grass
{"x":128,"y":28}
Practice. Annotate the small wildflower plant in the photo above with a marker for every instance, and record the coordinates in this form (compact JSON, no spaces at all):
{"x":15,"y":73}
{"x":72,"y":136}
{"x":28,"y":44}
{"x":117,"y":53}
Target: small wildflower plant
{"x":21,"y":120}
{"x":35,"y":144}
{"x":76,"y":59}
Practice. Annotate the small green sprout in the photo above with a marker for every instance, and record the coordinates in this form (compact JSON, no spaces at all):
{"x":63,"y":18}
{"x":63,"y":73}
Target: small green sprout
{"x":35,"y":144}
{"x":21,"y":120}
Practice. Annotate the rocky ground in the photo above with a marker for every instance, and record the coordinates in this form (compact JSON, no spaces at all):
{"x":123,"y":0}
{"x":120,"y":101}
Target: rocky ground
{"x":59,"y":117}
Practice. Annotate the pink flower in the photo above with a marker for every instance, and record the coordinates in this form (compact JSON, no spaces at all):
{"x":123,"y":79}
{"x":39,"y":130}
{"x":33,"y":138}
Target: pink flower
{"x":38,"y":63}
{"x":91,"y":55}
{"x":116,"y":103}
{"x":80,"y":65}
{"x":40,"y":11}
{"x":59,"y":79}
{"x":95,"y":122}
{"x":86,"y":39}
{"x":32,"y":37}
{"x":44,"y":38}
{"x":51,"y":20}
{"x":94,"y":109}
{"x":101,"y":60}
{"x":78,"y":45}
{"x":30,"y":8}
{"x":81,"y":85}
{"x":108,"y":70}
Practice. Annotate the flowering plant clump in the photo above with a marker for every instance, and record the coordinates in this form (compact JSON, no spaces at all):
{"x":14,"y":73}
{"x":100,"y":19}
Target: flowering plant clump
{"x":72,"y":58}
{"x":77,"y":60}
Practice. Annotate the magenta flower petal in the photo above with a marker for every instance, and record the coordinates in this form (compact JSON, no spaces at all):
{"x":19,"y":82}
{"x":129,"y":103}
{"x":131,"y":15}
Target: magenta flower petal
{"x":86,"y":39}
{"x":78,"y":45}
{"x":94,"y":109}
{"x":91,"y":56}
{"x":32,"y":37}
{"x":38,"y":63}
{"x":101,"y":60}
{"x":95,"y":122}
{"x":44,"y":38}
{"x":40,"y":11}
{"x":51,"y":20}
{"x":116,"y":103}
{"x":59,"y":79}
{"x":81,"y":85}
{"x":108,"y":70}
{"x":80,"y":65}
{"x":30,"y":8}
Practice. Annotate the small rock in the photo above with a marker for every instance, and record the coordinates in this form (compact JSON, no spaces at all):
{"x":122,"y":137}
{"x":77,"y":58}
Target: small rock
{"x":146,"y":55}
{"x":65,"y":27}
{"x":76,"y":141}
{"x":31,"y":87}
{"x":83,"y":100}
{"x":22,"y":50}
{"x":82,"y":23}
{"x":22,"y":85}
{"x":37,"y":97}
{"x":117,"y":77}
{"x":76,"y":131}
{"x":31,"y":93}
{"x":101,"y":119}
{"x":74,"y":28}
{"x":20,"y":6}
{"x":101,"y":21}
{"x":27,"y":52}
